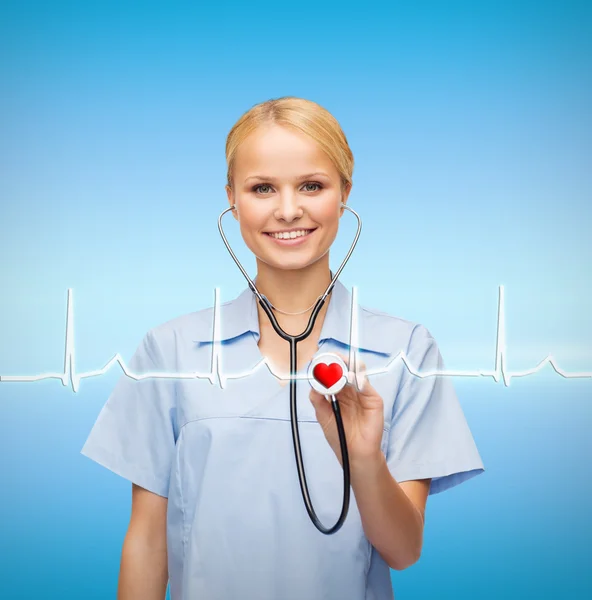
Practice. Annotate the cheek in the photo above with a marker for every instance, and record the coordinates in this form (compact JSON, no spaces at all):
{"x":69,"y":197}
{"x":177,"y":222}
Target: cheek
{"x":251,"y":220}
{"x":328,"y":216}
{"x":248,"y":229}
{"x":251,"y":226}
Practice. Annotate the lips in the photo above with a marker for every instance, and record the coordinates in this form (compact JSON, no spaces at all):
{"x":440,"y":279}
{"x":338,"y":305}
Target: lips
{"x":290,"y":235}
{"x":291,"y":241}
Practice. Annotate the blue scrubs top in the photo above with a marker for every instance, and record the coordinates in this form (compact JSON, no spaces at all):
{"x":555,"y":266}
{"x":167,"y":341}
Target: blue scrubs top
{"x":236,"y":523}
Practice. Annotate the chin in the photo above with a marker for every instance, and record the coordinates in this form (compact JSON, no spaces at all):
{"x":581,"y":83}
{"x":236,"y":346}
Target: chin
{"x":288,"y":265}
{"x":291,"y":264}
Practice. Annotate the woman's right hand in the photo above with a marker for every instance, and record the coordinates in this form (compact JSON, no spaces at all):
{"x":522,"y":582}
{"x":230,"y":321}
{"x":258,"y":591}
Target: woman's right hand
{"x":143,"y":573}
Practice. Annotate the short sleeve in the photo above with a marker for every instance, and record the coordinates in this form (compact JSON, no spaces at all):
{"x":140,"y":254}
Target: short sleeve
{"x":429,"y":436}
{"x":135,"y":433}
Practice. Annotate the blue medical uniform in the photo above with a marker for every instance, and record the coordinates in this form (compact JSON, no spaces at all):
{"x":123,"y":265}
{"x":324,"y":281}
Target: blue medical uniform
{"x":236,"y":523}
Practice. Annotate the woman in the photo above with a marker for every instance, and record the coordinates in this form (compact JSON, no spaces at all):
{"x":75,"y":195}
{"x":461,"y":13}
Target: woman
{"x":216,"y":503}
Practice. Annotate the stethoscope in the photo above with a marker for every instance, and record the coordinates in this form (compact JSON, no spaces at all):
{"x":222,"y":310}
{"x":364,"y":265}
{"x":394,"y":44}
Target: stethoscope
{"x":319,"y":375}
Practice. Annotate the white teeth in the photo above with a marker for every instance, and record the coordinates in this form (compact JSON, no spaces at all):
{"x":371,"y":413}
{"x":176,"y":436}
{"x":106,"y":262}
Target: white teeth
{"x":285,"y":235}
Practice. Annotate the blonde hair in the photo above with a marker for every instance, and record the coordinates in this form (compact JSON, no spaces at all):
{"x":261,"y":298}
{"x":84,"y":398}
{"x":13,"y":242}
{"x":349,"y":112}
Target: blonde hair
{"x":303,"y":115}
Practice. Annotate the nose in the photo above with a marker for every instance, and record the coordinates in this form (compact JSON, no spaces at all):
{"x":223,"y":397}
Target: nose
{"x":289,"y":206}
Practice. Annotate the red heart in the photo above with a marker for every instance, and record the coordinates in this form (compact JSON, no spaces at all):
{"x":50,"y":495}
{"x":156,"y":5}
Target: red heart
{"x":327,"y":375}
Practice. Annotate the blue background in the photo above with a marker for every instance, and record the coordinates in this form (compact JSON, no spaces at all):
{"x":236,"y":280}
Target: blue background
{"x":471,"y":127}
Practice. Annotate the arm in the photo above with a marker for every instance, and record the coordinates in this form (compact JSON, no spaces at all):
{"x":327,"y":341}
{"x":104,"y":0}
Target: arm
{"x":392,"y":513}
{"x":143,"y":571}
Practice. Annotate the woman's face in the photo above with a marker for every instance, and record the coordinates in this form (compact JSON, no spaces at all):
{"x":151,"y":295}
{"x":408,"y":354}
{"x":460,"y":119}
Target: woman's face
{"x":288,"y":197}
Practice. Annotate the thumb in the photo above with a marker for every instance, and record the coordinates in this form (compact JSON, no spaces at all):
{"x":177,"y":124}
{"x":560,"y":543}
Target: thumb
{"x":322,"y":407}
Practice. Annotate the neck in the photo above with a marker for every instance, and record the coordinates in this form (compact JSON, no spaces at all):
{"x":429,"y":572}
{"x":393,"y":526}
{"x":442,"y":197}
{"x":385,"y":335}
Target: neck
{"x":294,"y":290}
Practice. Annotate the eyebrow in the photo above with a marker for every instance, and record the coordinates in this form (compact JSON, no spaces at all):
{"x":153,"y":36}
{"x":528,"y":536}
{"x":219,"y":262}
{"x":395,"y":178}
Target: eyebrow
{"x":301,"y":177}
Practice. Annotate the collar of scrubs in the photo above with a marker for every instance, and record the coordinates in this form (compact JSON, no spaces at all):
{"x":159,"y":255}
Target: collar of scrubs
{"x":240,"y":316}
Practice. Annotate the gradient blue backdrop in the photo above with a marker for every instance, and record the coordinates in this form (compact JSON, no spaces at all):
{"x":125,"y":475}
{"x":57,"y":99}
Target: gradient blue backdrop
{"x":471,"y":127}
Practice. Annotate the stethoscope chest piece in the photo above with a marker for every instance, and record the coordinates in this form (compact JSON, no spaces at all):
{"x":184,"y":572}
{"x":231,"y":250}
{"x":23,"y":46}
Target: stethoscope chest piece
{"x":327,"y":373}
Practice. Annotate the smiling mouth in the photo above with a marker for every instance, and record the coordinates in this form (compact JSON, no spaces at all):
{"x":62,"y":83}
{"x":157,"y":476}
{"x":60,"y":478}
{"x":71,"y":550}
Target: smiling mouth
{"x":290,"y":235}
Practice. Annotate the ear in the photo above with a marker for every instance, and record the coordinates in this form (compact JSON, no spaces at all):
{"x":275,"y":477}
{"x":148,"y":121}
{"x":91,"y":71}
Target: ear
{"x":346,"y":191}
{"x":345,"y":195}
{"x":230,"y":194}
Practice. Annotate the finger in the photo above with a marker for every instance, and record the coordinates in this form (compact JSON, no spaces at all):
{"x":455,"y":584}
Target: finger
{"x":322,"y":407}
{"x":359,"y":384}
{"x":366,"y":391}
{"x":357,"y":376}
{"x":358,"y":380}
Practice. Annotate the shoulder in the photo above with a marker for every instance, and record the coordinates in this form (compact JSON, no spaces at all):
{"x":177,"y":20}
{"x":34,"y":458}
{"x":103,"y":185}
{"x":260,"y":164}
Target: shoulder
{"x":180,"y":331}
{"x":394,"y":334}
{"x":190,"y":325}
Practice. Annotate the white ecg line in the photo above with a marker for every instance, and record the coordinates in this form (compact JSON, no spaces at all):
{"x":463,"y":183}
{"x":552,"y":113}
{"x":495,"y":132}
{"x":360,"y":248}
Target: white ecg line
{"x":69,"y":376}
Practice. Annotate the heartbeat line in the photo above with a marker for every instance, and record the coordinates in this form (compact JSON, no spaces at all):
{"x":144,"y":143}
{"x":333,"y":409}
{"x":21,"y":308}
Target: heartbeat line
{"x":69,"y":376}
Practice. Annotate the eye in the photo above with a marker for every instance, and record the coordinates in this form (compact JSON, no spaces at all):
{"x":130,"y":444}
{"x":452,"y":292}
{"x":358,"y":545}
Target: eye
{"x":312,"y":183}
{"x":257,"y":188}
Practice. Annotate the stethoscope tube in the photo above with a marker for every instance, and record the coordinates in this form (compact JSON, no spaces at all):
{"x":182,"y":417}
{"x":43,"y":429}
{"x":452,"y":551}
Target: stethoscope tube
{"x":293,"y":341}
